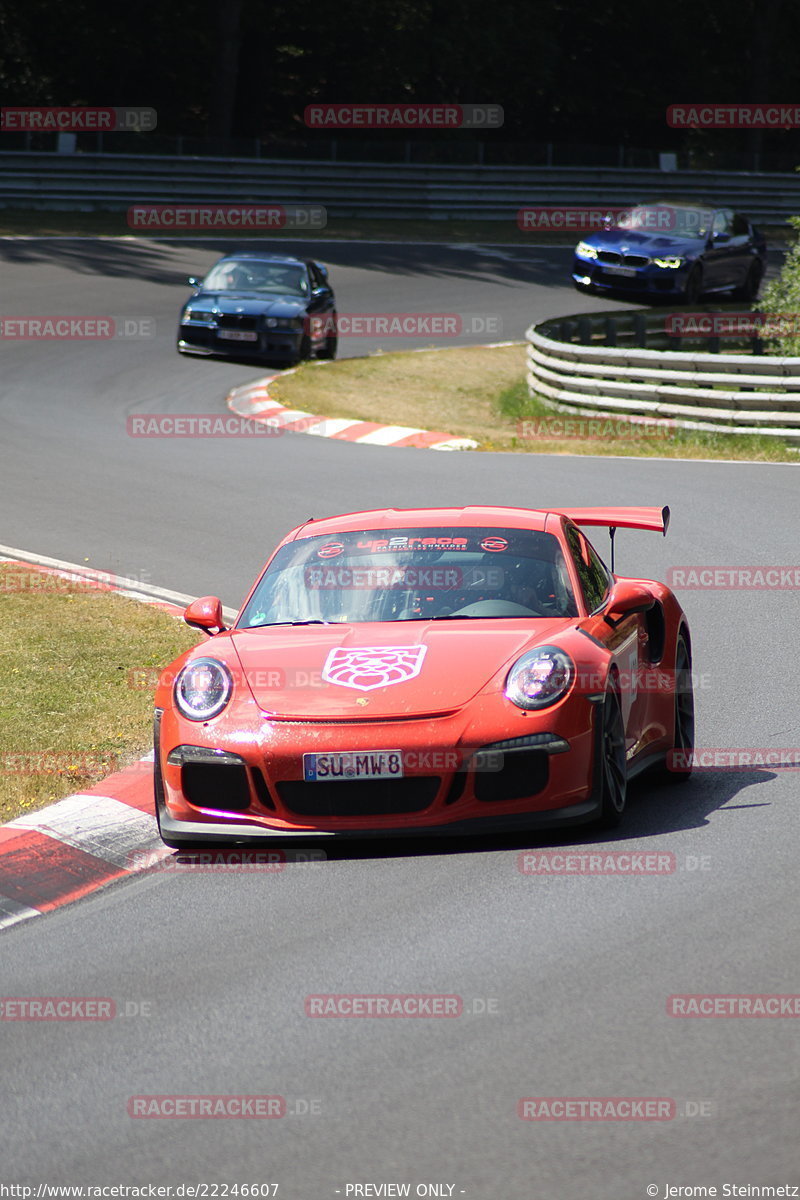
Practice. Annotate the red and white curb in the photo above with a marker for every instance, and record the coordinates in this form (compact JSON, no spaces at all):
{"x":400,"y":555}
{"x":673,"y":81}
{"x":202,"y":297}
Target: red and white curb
{"x":58,"y":854}
{"x":253,"y":400}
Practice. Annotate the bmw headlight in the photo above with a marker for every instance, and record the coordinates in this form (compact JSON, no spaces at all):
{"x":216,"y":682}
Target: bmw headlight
{"x":203,"y":688}
{"x":672,"y":262}
{"x":584,"y":250}
{"x":540,"y":677}
{"x":199,"y":314}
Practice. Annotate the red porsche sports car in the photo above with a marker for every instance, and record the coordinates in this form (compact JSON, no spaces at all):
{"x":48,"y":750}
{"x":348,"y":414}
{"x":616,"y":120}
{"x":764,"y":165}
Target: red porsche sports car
{"x":425,"y":671}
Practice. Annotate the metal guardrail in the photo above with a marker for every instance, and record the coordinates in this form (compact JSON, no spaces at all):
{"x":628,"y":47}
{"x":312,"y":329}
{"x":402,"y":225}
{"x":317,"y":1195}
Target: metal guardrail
{"x":618,"y":365}
{"x":112,"y":182}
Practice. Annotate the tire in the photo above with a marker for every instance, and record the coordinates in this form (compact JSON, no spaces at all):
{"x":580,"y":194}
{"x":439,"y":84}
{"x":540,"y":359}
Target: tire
{"x":683,"y":729}
{"x":694,"y":286}
{"x":749,"y":289}
{"x":331,"y":345}
{"x":303,"y":351}
{"x":613,"y":765}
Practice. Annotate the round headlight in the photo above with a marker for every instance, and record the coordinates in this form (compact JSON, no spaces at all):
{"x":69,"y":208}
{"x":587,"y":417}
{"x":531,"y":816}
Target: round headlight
{"x":203,"y":688}
{"x":540,"y":677}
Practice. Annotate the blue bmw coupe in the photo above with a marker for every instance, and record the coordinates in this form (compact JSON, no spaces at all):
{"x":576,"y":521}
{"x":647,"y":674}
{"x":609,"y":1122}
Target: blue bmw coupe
{"x":261,"y":306}
{"x":672,"y":251}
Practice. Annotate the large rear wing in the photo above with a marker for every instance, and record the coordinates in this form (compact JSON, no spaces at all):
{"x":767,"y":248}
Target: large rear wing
{"x":656,"y":519}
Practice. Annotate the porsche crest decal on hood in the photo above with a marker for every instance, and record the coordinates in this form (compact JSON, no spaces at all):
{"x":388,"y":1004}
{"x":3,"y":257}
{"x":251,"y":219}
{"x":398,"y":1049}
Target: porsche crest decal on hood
{"x":371,"y":667}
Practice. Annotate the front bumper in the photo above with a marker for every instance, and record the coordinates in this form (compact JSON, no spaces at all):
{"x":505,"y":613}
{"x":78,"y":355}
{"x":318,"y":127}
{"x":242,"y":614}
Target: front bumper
{"x":258,"y":791}
{"x":201,"y":832}
{"x":661,"y":281}
{"x":269,"y":343}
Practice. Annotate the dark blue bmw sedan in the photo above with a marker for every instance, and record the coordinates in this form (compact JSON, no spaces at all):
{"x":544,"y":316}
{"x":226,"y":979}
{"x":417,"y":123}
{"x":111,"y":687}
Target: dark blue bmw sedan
{"x":263,"y":307}
{"x":673,"y":250}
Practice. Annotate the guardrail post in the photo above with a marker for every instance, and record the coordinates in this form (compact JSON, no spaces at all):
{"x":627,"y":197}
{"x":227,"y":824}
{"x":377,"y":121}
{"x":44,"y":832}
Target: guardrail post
{"x":611,"y":331}
{"x":585,"y":331}
{"x":640,"y":330}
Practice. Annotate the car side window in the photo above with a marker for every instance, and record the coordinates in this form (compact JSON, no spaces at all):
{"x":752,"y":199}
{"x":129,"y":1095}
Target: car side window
{"x":594,"y":576}
{"x":723,"y":221}
{"x":317,"y":279}
{"x":741,"y":228}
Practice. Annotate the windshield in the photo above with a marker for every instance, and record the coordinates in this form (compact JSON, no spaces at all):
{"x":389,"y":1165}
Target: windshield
{"x":413,"y":575}
{"x":248,"y":275}
{"x":667,"y":220}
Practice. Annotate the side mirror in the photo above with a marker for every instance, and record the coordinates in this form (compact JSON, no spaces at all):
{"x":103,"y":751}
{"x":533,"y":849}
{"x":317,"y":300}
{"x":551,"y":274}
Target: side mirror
{"x":626,"y":597}
{"x":192,"y":282}
{"x":206,"y":614}
{"x":720,"y":238}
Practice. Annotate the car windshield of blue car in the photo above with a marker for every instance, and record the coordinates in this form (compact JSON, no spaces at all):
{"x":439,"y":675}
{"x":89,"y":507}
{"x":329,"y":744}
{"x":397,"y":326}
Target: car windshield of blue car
{"x":248,"y":275}
{"x":666,"y":220}
{"x":413,"y":574}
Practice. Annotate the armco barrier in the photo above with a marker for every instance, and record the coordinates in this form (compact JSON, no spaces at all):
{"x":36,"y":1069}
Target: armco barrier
{"x":112,"y":182}
{"x":625,"y":364}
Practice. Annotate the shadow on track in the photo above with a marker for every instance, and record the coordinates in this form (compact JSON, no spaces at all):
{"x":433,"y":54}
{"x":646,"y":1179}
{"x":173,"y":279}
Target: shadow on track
{"x":654,"y":808}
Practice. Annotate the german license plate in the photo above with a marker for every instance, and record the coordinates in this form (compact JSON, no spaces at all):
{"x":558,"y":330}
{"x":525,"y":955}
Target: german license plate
{"x":237,"y":335}
{"x":353,"y":764}
{"x":627,"y":271}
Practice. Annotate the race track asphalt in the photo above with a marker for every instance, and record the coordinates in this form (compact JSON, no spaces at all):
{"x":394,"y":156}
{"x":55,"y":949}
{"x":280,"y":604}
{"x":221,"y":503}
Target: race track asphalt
{"x":574,"y":972}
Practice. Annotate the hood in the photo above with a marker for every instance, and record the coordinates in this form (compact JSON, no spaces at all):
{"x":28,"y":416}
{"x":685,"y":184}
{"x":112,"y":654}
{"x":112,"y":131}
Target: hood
{"x":401,"y":669}
{"x":637,"y":242}
{"x":250,"y":304}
